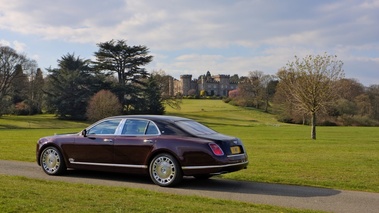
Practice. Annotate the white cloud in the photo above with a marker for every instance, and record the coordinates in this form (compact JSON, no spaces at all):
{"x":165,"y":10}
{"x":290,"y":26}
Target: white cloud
{"x":4,"y":42}
{"x":196,"y":36}
{"x":16,"y":45}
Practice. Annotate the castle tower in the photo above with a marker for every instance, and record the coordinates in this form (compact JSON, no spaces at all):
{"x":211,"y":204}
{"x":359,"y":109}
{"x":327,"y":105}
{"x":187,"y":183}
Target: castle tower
{"x":186,"y":83}
{"x":224,"y":84}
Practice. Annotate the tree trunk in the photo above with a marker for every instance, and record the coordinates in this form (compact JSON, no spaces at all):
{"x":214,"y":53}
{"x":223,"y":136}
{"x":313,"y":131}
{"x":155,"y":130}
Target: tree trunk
{"x":313,"y":132}
{"x":266,"y":107}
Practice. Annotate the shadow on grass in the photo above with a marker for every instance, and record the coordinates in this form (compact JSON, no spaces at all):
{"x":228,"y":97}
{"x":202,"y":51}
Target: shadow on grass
{"x":212,"y":184}
{"x":38,"y":122}
{"x":5,"y":126}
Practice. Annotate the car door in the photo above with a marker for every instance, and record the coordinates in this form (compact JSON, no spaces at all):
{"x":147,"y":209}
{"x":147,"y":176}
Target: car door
{"x":135,"y":143}
{"x":96,"y":146}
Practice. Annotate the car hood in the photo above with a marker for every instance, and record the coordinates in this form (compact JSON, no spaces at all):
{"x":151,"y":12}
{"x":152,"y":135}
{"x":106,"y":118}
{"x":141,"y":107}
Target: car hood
{"x":61,"y":135}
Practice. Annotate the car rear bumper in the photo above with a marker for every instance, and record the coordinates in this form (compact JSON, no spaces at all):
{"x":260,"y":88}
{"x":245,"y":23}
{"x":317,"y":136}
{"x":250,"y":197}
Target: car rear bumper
{"x":214,"y":169}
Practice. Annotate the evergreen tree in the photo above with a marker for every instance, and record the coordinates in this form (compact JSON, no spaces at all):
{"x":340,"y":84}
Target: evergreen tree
{"x":126,"y":61}
{"x":36,"y":91}
{"x":153,"y":98}
{"x":19,"y":86}
{"x":70,"y":86}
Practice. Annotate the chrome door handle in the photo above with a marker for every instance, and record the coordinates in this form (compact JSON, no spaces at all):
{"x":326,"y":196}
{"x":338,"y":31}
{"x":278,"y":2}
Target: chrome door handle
{"x":148,"y":141}
{"x":108,"y":140}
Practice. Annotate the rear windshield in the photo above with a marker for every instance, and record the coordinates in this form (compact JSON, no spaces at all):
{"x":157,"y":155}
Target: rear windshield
{"x":195,"y":128}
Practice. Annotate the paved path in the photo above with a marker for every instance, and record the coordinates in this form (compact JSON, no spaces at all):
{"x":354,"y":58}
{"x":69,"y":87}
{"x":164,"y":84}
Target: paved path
{"x":299,"y":197}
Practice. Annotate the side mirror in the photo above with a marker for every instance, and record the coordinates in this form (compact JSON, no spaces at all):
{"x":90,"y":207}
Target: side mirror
{"x":84,"y":133}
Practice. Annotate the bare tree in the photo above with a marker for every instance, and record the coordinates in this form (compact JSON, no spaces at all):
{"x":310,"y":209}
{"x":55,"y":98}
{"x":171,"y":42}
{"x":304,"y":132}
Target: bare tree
{"x":103,"y":104}
{"x":9,"y":61}
{"x":256,"y":90}
{"x":311,"y":82}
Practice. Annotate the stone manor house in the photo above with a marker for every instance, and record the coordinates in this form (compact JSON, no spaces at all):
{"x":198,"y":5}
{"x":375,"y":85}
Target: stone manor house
{"x":213,"y":85}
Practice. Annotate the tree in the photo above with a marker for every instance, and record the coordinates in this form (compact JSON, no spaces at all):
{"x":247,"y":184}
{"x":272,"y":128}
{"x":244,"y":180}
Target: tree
{"x":255,"y":90}
{"x":9,"y":61}
{"x":346,"y":109}
{"x":311,"y":82}
{"x":269,"y":83}
{"x":126,"y":61}
{"x":373,"y":93}
{"x":153,"y":98}
{"x":36,"y":90}
{"x":203,"y":93}
{"x":103,"y":104}
{"x":234,"y":78}
{"x":165,"y":84}
{"x":19,"y":85}
{"x":70,"y":86}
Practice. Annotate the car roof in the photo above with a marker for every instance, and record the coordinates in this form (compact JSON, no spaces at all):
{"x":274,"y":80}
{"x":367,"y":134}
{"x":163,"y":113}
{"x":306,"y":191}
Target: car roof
{"x":153,"y":117}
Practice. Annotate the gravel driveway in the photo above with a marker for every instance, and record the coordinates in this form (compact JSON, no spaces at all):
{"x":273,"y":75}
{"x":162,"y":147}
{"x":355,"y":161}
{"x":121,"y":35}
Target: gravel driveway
{"x":299,"y":197}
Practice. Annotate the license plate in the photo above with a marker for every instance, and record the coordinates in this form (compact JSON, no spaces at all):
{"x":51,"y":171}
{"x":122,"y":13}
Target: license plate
{"x":235,"y":149}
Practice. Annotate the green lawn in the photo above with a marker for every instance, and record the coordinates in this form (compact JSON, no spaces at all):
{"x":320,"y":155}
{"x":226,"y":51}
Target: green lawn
{"x":20,"y":194}
{"x":341,"y":157}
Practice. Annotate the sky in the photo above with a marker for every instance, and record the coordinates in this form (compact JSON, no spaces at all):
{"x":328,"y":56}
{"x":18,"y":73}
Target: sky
{"x":196,"y":36}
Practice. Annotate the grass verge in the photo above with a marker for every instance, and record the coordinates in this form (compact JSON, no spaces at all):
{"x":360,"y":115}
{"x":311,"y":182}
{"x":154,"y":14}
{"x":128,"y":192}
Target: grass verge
{"x":20,"y":194}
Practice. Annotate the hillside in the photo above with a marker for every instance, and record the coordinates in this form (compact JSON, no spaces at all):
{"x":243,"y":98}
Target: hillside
{"x":216,"y":112}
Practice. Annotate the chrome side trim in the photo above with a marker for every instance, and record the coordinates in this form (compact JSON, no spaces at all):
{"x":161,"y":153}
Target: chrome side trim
{"x":113,"y":165}
{"x":213,"y":166}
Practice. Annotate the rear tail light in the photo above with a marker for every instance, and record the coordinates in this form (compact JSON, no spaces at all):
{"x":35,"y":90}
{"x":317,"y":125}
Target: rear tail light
{"x":216,"y":149}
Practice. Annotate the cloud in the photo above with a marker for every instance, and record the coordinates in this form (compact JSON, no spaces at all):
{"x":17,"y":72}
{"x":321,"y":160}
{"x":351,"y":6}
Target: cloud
{"x":16,"y":45}
{"x":194,"y":36}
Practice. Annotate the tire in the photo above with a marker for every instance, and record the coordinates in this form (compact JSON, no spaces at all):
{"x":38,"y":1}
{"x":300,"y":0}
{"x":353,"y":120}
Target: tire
{"x":52,"y":162}
{"x":165,"y":170}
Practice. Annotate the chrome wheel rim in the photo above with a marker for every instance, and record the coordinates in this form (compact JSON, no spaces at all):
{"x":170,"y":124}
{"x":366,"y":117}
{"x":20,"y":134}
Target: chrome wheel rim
{"x":163,"y":170}
{"x":51,"y":161}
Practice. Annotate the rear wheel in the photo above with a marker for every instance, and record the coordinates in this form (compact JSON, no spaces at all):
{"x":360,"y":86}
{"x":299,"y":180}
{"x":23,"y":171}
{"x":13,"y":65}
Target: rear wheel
{"x":52,"y":162}
{"x":165,"y":170}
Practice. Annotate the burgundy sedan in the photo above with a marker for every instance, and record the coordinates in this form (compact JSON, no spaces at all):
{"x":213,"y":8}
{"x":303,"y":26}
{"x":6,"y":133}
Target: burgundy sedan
{"x":164,"y":147}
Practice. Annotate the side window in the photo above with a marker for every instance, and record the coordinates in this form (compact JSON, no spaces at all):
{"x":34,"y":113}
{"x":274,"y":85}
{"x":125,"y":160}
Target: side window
{"x":169,"y":129}
{"x":105,"y":128}
{"x":152,"y":129}
{"x":134,"y":127}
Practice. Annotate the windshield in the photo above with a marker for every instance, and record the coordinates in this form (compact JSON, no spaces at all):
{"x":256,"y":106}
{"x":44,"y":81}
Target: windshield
{"x":195,"y":128}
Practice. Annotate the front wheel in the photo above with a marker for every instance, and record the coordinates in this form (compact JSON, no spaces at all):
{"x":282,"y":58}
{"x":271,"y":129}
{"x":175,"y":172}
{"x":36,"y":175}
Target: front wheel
{"x":52,"y":162}
{"x":165,"y":170}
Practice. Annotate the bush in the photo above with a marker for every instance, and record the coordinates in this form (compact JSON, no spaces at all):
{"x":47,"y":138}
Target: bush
{"x":21,"y":108}
{"x":103,"y":104}
{"x":357,"y":121}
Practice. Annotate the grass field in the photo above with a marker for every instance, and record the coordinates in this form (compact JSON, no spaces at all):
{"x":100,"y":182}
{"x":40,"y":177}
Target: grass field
{"x":20,"y":194}
{"x":340,"y":158}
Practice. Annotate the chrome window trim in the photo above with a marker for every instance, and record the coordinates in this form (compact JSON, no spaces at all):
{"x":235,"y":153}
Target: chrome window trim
{"x":141,"y":119}
{"x":104,"y":120}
